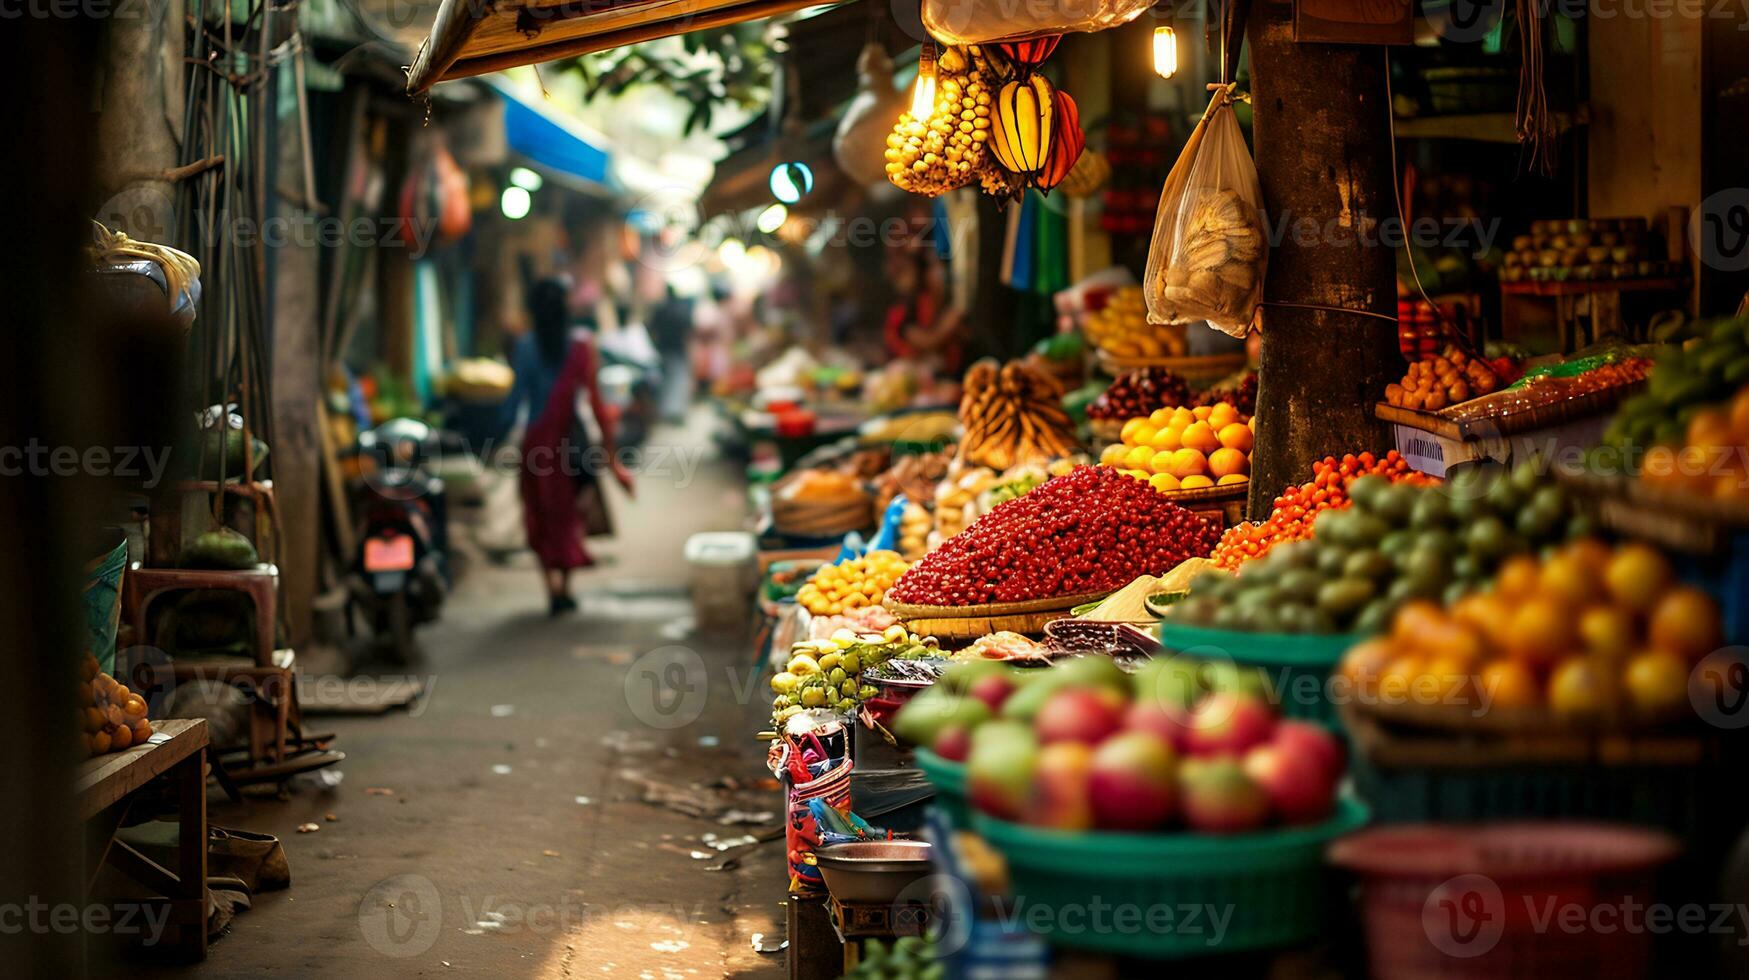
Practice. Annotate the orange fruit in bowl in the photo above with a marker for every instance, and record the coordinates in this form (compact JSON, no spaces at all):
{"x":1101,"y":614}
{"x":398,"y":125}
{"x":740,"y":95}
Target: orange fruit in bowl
{"x":1113,"y":455}
{"x":1508,"y":684}
{"x":1455,"y":642}
{"x":1169,"y":437}
{"x":1221,"y":415}
{"x":1451,"y":679}
{"x":1235,"y":435}
{"x":1227,"y":462}
{"x":1182,"y":417}
{"x":1581,"y":687}
{"x":1142,"y":436}
{"x":1188,"y":462}
{"x":1416,"y":619}
{"x":1636,"y":575}
{"x":1608,"y":632}
{"x":1201,"y":412}
{"x":1540,"y":632}
{"x":1656,"y":682}
{"x":1232,"y":478}
{"x":1364,"y":661}
{"x":1128,"y":432}
{"x":1484,"y":612}
{"x":1196,"y":481}
{"x":1164,"y":482}
{"x":1518,"y":577}
{"x":1161,"y":461}
{"x":1589,"y":550}
{"x":1200,"y":436}
{"x":1570,"y":578}
{"x":1160,"y":418}
{"x":1685,"y":622}
{"x":1137,"y":457}
{"x":1398,"y":676}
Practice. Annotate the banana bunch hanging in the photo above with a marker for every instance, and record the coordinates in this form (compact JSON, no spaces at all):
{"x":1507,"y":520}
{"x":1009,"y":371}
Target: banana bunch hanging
{"x":1025,"y":109}
{"x":935,"y":155}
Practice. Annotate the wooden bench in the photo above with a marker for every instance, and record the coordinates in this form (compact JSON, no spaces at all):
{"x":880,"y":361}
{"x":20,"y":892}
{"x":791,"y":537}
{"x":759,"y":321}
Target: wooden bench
{"x":102,"y":788}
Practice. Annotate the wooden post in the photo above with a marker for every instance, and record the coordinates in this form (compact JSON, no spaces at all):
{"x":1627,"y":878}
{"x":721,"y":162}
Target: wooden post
{"x":1322,"y":146}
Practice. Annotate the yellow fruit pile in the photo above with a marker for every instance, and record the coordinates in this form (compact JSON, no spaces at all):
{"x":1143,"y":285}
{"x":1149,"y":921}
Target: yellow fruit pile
{"x":111,"y":717}
{"x":947,"y":150}
{"x":1121,"y":328}
{"x":1590,"y":633}
{"x":852,"y":584}
{"x":1185,"y":448}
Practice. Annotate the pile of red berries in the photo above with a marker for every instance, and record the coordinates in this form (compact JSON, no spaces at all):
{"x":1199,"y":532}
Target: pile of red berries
{"x":1243,"y":395}
{"x":1090,"y":530}
{"x":1139,"y":393}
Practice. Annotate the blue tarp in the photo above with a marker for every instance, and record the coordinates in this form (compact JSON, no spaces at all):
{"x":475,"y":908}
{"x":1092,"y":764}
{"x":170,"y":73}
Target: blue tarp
{"x":549,"y":142}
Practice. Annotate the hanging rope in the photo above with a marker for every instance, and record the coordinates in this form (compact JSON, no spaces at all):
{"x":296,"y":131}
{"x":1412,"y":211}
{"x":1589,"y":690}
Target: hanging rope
{"x":1535,"y":124}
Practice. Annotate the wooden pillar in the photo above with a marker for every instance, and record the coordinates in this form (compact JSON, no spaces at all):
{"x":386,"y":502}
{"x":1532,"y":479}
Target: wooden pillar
{"x":295,"y":363}
{"x":1323,"y":155}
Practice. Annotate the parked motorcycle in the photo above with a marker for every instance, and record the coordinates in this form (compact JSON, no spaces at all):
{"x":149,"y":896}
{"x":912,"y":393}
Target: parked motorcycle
{"x":399,"y":571}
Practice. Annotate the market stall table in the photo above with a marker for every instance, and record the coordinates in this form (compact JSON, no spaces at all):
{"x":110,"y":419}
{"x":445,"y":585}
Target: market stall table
{"x":102,"y":789}
{"x":1603,"y":297}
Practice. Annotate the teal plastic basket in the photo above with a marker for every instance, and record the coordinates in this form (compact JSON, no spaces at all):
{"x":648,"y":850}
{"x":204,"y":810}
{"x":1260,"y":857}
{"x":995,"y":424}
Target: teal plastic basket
{"x":1171,"y":895}
{"x":949,"y":780}
{"x":1298,"y":665}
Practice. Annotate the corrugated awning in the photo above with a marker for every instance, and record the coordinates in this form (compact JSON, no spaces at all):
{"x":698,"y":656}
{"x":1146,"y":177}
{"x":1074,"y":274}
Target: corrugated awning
{"x":473,"y":37}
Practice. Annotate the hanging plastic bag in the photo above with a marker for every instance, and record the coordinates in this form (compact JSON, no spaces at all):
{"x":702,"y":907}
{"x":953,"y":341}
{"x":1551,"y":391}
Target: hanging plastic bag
{"x":1209,"y":251}
{"x":981,"y":21}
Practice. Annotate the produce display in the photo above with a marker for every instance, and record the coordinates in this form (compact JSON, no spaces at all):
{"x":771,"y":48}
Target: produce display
{"x":1092,"y":530}
{"x":911,"y":958}
{"x":957,"y":498}
{"x":111,"y":717}
{"x":914,"y":530}
{"x":1241,"y":393}
{"x":1553,"y":385}
{"x":1185,"y":448}
{"x":1583,"y":250}
{"x":1396,"y":543}
{"x":916,"y":476}
{"x":1707,"y":370}
{"x":829,"y":673}
{"x":1139,"y":393}
{"x":851,"y":584}
{"x":1179,"y":745}
{"x":1588,"y":634}
{"x":950,"y":148}
{"x":1709,"y":462}
{"x":1444,"y":379}
{"x":1290,"y":518}
{"x":1121,"y":327}
{"x":1013,"y":414}
{"x":822,"y":503}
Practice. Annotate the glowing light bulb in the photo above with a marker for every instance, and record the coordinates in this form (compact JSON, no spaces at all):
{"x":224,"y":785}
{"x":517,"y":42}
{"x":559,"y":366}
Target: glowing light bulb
{"x":923,"y":95}
{"x":515,"y":202}
{"x":772,"y":218}
{"x":1165,"y":52}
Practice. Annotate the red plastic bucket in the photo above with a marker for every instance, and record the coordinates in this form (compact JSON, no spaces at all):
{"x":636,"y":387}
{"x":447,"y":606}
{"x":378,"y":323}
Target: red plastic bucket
{"x":1506,"y":900}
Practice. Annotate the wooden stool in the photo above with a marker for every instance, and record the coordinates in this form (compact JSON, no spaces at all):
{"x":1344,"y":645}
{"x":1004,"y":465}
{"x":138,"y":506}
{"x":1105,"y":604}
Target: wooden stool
{"x":142,"y":586}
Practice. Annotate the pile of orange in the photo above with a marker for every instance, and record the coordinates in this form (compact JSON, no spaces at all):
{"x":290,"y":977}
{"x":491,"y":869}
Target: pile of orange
{"x":1711,"y":461}
{"x":111,"y":717}
{"x":1291,"y":517}
{"x":1185,"y":448}
{"x":1588,"y":632}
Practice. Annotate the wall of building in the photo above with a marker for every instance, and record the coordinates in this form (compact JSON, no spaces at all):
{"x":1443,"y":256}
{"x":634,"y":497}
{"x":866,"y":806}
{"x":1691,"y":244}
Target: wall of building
{"x":1645,"y":146}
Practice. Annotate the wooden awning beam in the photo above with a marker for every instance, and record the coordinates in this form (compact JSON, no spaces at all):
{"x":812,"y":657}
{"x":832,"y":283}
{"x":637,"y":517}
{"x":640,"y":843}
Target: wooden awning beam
{"x":474,"y":37}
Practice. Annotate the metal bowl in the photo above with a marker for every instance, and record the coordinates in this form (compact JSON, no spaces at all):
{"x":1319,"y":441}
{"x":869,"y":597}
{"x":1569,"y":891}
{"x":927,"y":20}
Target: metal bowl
{"x":872,"y":871}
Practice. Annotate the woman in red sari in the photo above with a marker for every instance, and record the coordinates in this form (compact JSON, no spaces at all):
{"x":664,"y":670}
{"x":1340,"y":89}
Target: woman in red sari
{"x":553,"y":368}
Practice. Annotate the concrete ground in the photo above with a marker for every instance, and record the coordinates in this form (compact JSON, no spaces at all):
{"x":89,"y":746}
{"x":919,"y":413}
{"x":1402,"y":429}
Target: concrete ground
{"x":503,"y":826}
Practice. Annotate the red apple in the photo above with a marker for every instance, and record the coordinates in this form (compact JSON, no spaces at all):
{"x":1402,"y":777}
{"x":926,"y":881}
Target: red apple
{"x":1217,"y":797}
{"x":1079,"y":714}
{"x":1134,"y":782}
{"x":1166,"y":722}
{"x":954,"y":743}
{"x":1228,"y":723}
{"x":1314,"y":741}
{"x":1060,"y":787}
{"x":992,"y":689}
{"x":1296,"y":785}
